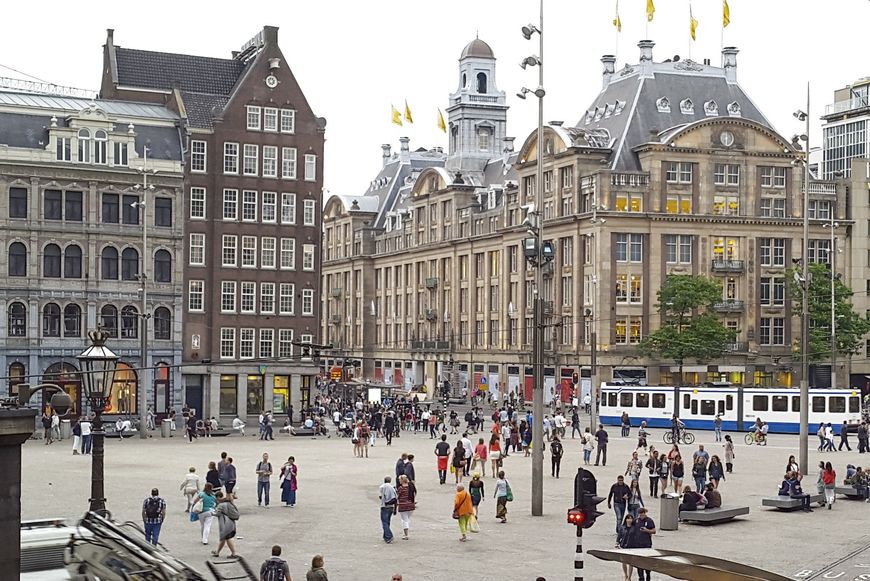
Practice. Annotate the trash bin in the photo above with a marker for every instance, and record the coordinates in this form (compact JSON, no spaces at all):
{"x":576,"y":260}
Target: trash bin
{"x":65,"y":429}
{"x":165,"y":429}
{"x":669,"y":517}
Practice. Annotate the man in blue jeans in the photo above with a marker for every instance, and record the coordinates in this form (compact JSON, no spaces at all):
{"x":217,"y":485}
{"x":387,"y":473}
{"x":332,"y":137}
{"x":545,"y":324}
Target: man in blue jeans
{"x":619,"y":495}
{"x":153,"y":513}
{"x":387,"y":494}
{"x":264,"y":474}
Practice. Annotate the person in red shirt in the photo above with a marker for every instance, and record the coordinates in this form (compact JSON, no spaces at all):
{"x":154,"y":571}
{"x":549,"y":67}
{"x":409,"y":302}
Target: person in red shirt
{"x":829,"y":478}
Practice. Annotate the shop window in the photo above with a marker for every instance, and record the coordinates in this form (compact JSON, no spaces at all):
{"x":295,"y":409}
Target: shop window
{"x":281,"y":394}
{"x":228,"y":395}
{"x":255,"y":394}
{"x":122,"y":399}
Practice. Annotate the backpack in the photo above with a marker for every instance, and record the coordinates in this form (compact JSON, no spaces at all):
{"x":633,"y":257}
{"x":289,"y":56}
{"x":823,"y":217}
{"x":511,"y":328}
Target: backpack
{"x":556,"y":449}
{"x":273,"y":570}
{"x":152,"y":507}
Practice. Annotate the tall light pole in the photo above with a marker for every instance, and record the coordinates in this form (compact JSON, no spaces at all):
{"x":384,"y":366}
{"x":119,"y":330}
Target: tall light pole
{"x":833,"y":225}
{"x":805,"y":302}
{"x":144,"y":371}
{"x":595,"y":379}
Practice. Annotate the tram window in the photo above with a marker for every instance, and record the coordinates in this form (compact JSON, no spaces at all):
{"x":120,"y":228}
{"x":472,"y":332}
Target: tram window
{"x":721,"y":405}
{"x":687,"y":400}
{"x":837,"y":405}
{"x":708,"y":407}
{"x":795,"y":403}
{"x":611,"y":400}
{"x":854,"y":405}
{"x":658,"y":400}
{"x":694,"y":407}
{"x":642,"y":400}
{"x":780,"y":403}
{"x":729,"y":402}
{"x":818,"y":404}
{"x":759,"y":403}
{"x":626,"y":400}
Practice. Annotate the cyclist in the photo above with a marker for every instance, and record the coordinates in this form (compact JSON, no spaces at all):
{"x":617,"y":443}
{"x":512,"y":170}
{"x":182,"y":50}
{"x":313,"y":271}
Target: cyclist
{"x":677,"y":428}
{"x":760,"y":431}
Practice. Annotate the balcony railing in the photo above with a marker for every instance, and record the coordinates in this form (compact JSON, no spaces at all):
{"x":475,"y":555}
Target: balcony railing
{"x":429,"y":345}
{"x":729,"y":307}
{"x":829,"y":188}
{"x":629,"y":179}
{"x":728,"y":266}
{"x":846,"y":105}
{"x":740,"y":347}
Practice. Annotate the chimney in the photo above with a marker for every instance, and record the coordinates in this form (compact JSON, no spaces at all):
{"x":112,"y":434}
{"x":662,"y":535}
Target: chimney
{"x":608,"y":64}
{"x":508,"y":144}
{"x":646,"y":57}
{"x":404,"y":149}
{"x":387,"y":153}
{"x":729,"y":63}
{"x":270,"y":35}
{"x":110,"y":36}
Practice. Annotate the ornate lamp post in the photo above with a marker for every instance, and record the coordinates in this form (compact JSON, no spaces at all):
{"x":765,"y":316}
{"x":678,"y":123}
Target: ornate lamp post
{"x":98,"y":371}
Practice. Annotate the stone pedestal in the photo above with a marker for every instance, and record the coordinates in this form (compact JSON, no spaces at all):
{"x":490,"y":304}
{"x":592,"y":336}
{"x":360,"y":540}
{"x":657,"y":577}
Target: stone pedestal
{"x":16,"y":425}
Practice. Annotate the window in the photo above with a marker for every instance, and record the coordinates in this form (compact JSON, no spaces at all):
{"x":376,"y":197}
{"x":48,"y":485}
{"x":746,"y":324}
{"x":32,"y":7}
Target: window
{"x":773,"y":207}
{"x":308,"y":257}
{"x":198,"y":162}
{"x":267,"y":252}
{"x":310,"y":167}
{"x":196,"y":252}
{"x":72,"y":206}
{"x":229,"y":387}
{"x":51,"y":320}
{"x":484,"y":138}
{"x":228,"y":351}
{"x":771,"y":331}
{"x":249,"y":206}
{"x":72,"y":321}
{"x":726,"y":174}
{"x":267,"y":298}
{"x":567,"y":293}
{"x":231,"y":158}
{"x":772,"y":291}
{"x":17,"y":259}
{"x":726,"y":205}
{"x":251,"y":159}
{"x":101,"y":147}
{"x":658,"y":400}
{"x":229,"y":244}
{"x":197,"y":203}
{"x":641,"y":400}
{"x":17,"y":320}
{"x":51,"y":261}
{"x":270,"y":161}
{"x":779,"y":403}
{"x":628,"y":331}
{"x":52,"y":205}
{"x":837,"y":405}
{"x":286,"y":296}
{"x":773,"y":177}
{"x":246,"y":343}
{"x":231,"y":204}
{"x":162,"y":323}
{"x":679,"y":172}
{"x":63,"y":152}
{"x":119,"y":154}
{"x":196,"y":296}
{"x":308,"y":211}
{"x":818,"y":404}
{"x":17,"y":202}
{"x":270,"y":119}
{"x":249,"y":252}
{"x":288,"y":208}
{"x":228,"y":296}
{"x":270,"y":202}
{"x":248,"y":299}
{"x":288,"y":254}
{"x":820,"y":209}
{"x":772,"y":251}
{"x":162,"y":266}
{"x":111,"y":209}
{"x":253,"y":118}
{"x":819,"y":251}
{"x":679,"y":204}
{"x":708,"y":407}
{"x":628,"y":288}
{"x":307,"y":301}
{"x":108,"y":263}
{"x":629,"y":202}
{"x":163,"y":212}
{"x":267,"y":343}
{"x":626,"y":399}
{"x":109,"y":320}
{"x":129,"y":322}
{"x":288,"y":121}
{"x":678,"y":249}
{"x":629,"y":248}
{"x":72,"y":262}
{"x":84,"y":141}
{"x":288,"y":163}
{"x":130,"y":210}
{"x":285,"y":343}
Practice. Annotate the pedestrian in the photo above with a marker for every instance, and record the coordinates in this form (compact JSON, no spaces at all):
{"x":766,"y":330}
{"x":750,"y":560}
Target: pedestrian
{"x":469,"y":454}
{"x":601,"y":438}
{"x":627,"y":539}
{"x":458,"y":462}
{"x":410,"y":471}
{"x":664,"y":471}
{"x":289,"y":483}
{"x":729,"y":454}
{"x":641,"y":436}
{"x":239,"y":426}
{"x":677,"y":473}
{"x":699,"y":473}
{"x":844,"y":437}
{"x":463,"y":510}
{"x":494,"y":454}
{"x":634,"y":467}
{"x":820,"y":482}
{"x":47,"y":433}
{"x":617,"y":499}
{"x":400,"y":465}
{"x":191,"y":428}
{"x":503,"y":495}
{"x":442,"y":456}
{"x":653,"y":465}
{"x":625,"y":421}
{"x":862,"y":438}
{"x":355,"y":440}
{"x":646,"y":528}
{"x":829,"y":478}
{"x":275,"y":568}
{"x":715,"y":471}
{"x":389,"y":500}
{"x":829,"y":437}
{"x":635,"y":498}
{"x":204,"y":510}
{"x":87,"y":436}
{"x":149,"y":419}
{"x":588,"y":446}
{"x":222,"y":468}
{"x":556,"y":452}
{"x":406,"y":493}
{"x":365,"y":435}
{"x":475,"y":488}
{"x":717,"y":427}
{"x":480,"y":455}
{"x":212,"y":476}
{"x":575,"y":423}
{"x":77,"y":437}
{"x":190,"y":487}
{"x":55,"y":425}
{"x":227,"y":515}
{"x":153,"y":514}
{"x":389,"y":428}
{"x":317,"y":572}
{"x":230,"y":474}
{"x":264,"y":479}
{"x":821,"y":435}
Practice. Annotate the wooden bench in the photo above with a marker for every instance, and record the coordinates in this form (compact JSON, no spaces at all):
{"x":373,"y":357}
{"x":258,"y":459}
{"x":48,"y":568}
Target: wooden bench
{"x":712,"y":516}
{"x":789,"y":503}
{"x":849,"y":492}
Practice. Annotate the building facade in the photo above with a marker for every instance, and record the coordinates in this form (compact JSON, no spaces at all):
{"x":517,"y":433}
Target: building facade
{"x":671,"y":170}
{"x":71,"y":229}
{"x":254,"y":176}
{"x":846,"y":129}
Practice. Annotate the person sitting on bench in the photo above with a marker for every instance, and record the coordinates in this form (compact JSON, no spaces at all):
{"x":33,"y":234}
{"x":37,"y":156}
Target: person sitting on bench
{"x":712,"y":496}
{"x":794,"y":490}
{"x":858,"y":481}
{"x":691,"y":500}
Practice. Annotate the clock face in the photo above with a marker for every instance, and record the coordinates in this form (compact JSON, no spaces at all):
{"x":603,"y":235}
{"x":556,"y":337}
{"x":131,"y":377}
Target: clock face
{"x":726,"y":138}
{"x":271,"y":81}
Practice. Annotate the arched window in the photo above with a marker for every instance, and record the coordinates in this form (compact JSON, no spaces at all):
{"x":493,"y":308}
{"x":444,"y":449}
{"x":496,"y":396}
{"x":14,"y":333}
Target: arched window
{"x":17,"y":259}
{"x":51,"y":261}
{"x":109,"y":263}
{"x":72,"y":321}
{"x":464,"y":81}
{"x":109,"y":320}
{"x":16,"y":378}
{"x":129,"y":322}
{"x":100,"y":146}
{"x":481,"y":83}
{"x":84,"y":146}
{"x":162,"y":323}
{"x":66,"y":376}
{"x":72,"y":262}
{"x":17,"y":320}
{"x":484,"y":138}
{"x":122,"y":398}
{"x":162,"y":266}
{"x":130,"y":264}
{"x":51,"y":320}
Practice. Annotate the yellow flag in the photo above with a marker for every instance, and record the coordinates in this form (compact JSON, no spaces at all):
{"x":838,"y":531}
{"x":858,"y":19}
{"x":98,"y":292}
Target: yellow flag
{"x":397,"y":117}
{"x":408,"y":116}
{"x":650,"y":10}
{"x":441,"y":125}
{"x":617,"y":23}
{"x":726,"y":14}
{"x":693,"y":24}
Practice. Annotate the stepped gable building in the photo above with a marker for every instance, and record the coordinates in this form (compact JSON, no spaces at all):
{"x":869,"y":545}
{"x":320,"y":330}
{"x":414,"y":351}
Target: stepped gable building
{"x":253,"y":151}
{"x":71,"y":232}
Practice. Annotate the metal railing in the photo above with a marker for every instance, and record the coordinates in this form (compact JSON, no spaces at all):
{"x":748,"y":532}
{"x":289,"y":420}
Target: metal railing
{"x":846,"y":105}
{"x":629,"y":179}
{"x":728,"y":266}
{"x":731,"y":306}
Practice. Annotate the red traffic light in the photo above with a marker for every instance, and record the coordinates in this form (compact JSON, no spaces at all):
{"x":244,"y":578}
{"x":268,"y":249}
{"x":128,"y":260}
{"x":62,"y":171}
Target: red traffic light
{"x":576,"y":517}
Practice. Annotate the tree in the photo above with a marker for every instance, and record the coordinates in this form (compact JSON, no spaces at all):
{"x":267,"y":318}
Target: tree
{"x":851,"y":326}
{"x":689,"y":328}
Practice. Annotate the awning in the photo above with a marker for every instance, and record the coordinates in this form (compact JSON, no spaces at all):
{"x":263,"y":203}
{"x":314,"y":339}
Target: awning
{"x":688,"y":566}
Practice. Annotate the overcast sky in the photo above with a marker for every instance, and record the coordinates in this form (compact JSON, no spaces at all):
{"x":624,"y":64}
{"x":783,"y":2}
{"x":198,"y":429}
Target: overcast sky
{"x":354,"y":58}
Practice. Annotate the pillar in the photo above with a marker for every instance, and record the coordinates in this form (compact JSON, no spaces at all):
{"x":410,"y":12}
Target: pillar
{"x":16,"y":425}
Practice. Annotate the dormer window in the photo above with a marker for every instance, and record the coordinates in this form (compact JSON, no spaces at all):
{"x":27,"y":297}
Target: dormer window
{"x":101,"y":145}
{"x":588,"y":117}
{"x":608,"y":110}
{"x":598,"y":114}
{"x":617,"y":109}
{"x":84,"y":146}
{"x":687,"y":107}
{"x":734,"y":109}
{"x":663,"y":104}
{"x":711,"y":109}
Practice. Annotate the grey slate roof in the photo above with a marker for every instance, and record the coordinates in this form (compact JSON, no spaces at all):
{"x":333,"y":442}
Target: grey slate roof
{"x":61,"y":104}
{"x":203,"y":108}
{"x":28,"y":131}
{"x":163,"y":70}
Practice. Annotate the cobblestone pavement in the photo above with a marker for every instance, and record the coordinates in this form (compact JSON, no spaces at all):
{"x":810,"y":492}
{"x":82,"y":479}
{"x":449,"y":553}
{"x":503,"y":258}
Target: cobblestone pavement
{"x":337,"y":512}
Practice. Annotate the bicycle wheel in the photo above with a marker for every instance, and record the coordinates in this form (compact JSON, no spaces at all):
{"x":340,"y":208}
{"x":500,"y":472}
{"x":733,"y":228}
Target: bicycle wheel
{"x":688,"y":438}
{"x":749,"y":439}
{"x":669,"y":438}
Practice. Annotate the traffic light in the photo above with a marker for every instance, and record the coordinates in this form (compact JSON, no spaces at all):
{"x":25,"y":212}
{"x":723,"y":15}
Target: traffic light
{"x":586,"y":500}
{"x":576,"y":516}
{"x":575,"y":378}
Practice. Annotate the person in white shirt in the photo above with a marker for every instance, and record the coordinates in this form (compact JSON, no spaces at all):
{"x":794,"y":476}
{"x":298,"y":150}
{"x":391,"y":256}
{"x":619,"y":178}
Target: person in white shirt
{"x":239,"y":425}
{"x":547,"y":427}
{"x":87,"y":438}
{"x":55,"y":426}
{"x":190,"y":487}
{"x":389,"y":500}
{"x":587,"y":403}
{"x":559,"y":421}
{"x":469,"y":452}
{"x":336,"y":418}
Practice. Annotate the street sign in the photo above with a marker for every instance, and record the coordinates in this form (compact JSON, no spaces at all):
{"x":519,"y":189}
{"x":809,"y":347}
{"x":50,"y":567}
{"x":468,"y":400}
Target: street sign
{"x":335,"y":373}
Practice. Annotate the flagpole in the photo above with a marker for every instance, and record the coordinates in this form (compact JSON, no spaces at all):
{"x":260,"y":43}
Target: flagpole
{"x":691,"y":16}
{"x":616,"y":42}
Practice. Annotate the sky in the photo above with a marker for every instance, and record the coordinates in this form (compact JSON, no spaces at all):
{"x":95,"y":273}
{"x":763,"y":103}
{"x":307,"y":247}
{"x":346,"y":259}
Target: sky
{"x":355,"y":58}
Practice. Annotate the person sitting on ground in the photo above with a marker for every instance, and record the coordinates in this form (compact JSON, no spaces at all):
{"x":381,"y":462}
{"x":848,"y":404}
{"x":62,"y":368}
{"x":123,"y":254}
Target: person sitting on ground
{"x":691,"y":500}
{"x":712,"y":496}
{"x":795,"y":491}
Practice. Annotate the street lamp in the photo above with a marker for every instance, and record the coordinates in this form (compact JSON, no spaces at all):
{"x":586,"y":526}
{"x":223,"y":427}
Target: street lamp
{"x":98,"y":365}
{"x":805,"y":305}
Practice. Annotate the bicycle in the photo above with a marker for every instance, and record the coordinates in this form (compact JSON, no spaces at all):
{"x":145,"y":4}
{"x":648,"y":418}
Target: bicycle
{"x":750,"y":439}
{"x":684,"y":438}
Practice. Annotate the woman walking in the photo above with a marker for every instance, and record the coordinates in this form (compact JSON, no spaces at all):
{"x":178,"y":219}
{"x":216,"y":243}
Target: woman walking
{"x":515,"y":438}
{"x":458,"y":462}
{"x":190,"y":487}
{"x":653,"y":465}
{"x":664,"y":471}
{"x":317,"y":572}
{"x":407,"y":494}
{"x":480,"y":454}
{"x":212,"y":476}
{"x":627,"y":539}
{"x":729,"y":454}
{"x":677,"y":473}
{"x":715,"y":471}
{"x":204,"y":507}
{"x":355,"y":440}
{"x":526,"y":432}
{"x":829,"y":478}
{"x":227,"y":514}
{"x":588,"y":446}
{"x":475,"y":487}
{"x":289,"y":483}
{"x":502,"y":488}
{"x":635,"y":499}
{"x":463,"y":510}
{"x":494,"y":453}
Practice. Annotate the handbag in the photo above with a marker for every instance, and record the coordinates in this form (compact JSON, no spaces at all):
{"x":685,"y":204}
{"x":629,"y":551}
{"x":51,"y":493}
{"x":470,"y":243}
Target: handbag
{"x":456,"y":514}
{"x":473,"y":525}
{"x":510,"y":493}
{"x":194,"y":516}
{"x":452,"y":471}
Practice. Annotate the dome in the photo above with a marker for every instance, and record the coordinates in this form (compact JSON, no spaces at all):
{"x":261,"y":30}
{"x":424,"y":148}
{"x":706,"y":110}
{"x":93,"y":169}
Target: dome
{"x":477,"y":48}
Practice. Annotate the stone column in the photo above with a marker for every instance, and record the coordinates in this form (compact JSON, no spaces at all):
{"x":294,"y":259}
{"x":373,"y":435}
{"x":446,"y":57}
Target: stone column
{"x":16,"y":425}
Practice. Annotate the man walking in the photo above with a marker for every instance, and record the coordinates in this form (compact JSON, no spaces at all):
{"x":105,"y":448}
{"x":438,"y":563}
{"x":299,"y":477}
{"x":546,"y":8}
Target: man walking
{"x":230,"y":475}
{"x":275,"y":568}
{"x":617,"y":499}
{"x":388,"y":497}
{"x":556,"y":452}
{"x":844,"y":437}
{"x":87,"y":437}
{"x":442,"y":453}
{"x":646,"y":528}
{"x":601,"y":438}
{"x":469,"y":453}
{"x":222,"y":469}
{"x":862,"y":438}
{"x":153,"y":513}
{"x":264,"y":474}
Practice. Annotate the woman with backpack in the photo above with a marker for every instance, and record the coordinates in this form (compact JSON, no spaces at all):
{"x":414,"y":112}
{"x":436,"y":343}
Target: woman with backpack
{"x":227,"y":514}
{"x":556,"y":452}
{"x":503,"y":495}
{"x":406,"y":493}
{"x":458,"y":462}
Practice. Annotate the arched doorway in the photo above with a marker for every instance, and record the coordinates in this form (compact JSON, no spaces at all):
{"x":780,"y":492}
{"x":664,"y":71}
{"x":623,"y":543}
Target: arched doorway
{"x":123,"y":398}
{"x":66,"y":376}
